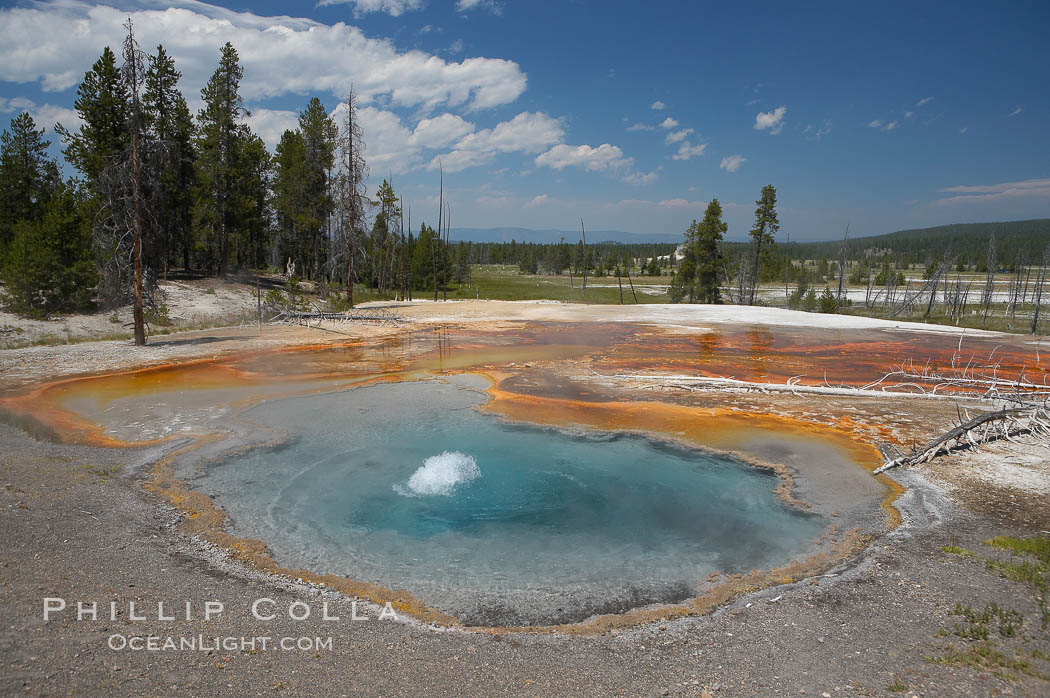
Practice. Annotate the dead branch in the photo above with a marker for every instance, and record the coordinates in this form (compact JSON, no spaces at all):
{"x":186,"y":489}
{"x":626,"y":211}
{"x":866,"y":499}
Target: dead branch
{"x":1001,"y":424}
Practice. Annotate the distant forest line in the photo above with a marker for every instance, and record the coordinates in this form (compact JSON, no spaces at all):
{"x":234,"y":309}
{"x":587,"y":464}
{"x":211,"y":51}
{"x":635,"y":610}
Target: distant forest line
{"x":159,"y":189}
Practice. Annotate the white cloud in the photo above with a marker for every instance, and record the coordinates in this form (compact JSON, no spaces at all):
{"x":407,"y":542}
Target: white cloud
{"x":456,"y":47}
{"x":270,"y":124}
{"x":388,"y":146}
{"x":924,"y":100}
{"x":468,"y":5}
{"x":687,"y":150}
{"x":890,"y":126}
{"x":18,"y":104}
{"x":44,"y":115}
{"x":537,"y":201}
{"x":604,"y":157}
{"x":909,"y":114}
{"x":874,"y":123}
{"x":732,"y":163}
{"x":394,"y":8}
{"x":640,"y":179}
{"x":815,"y":133}
{"x":1025,"y":189}
{"x":53,"y":42}
{"x":668,"y":123}
{"x":676,"y":136}
{"x":1017,"y":110}
{"x":773,"y":120}
{"x":441,"y":131}
{"x":641,"y":127}
{"x":657,"y":105}
{"x":883,"y":126}
{"x":964,"y":129}
{"x":528,"y":132}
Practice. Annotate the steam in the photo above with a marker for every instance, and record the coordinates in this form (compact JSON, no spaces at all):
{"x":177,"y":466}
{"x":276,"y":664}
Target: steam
{"x":440,"y":474}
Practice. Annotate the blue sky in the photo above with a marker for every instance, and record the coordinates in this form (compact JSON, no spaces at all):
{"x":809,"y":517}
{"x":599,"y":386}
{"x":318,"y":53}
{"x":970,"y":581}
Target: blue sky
{"x":630,"y":115}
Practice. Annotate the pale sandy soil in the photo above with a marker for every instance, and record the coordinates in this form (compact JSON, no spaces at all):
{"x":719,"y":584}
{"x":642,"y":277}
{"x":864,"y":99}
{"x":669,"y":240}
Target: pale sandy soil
{"x":189,"y":303}
{"x":695,"y":316}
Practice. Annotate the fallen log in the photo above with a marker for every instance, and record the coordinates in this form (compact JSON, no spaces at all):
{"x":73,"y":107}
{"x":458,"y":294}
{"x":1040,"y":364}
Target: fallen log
{"x":1007,"y":423}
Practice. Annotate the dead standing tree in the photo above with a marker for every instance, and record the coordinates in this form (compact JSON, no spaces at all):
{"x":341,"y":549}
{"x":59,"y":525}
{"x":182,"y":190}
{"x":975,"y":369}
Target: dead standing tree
{"x":441,"y":218}
{"x":842,"y":267}
{"x":583,"y":238}
{"x":989,"y":281}
{"x":1040,"y":282}
{"x":125,"y":217}
{"x":353,"y":194}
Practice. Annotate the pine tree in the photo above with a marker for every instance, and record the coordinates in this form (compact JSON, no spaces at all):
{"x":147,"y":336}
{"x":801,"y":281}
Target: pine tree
{"x":385,"y":243}
{"x":49,"y":266}
{"x":217,"y":159}
{"x":170,"y":125}
{"x":289,"y":195}
{"x":102,"y":103}
{"x":707,"y":253}
{"x":320,"y":135}
{"x":829,"y":303}
{"x":251,"y":200}
{"x":27,"y":176}
{"x":766,"y":226}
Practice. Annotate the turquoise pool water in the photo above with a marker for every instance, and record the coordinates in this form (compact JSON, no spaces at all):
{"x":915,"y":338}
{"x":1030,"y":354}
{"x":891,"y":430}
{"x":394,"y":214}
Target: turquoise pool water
{"x":408,"y":486}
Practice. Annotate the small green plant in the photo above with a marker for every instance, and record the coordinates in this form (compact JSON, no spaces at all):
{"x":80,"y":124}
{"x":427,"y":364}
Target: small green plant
{"x":337,"y":303}
{"x":897,"y":686}
{"x":809,"y":301}
{"x":984,"y":656}
{"x":274,"y":297}
{"x":157,"y":316}
{"x":828,"y":301}
{"x":114,"y":318}
{"x":209,"y":291}
{"x":1033,"y":568}
{"x":978,"y":625}
{"x":956,"y":550}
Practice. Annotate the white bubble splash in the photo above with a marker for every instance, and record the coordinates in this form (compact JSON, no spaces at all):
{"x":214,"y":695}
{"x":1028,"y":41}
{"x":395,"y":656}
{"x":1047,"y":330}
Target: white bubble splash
{"x":440,"y":474}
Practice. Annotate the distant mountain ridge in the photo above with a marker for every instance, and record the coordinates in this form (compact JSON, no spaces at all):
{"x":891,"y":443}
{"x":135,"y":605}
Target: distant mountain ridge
{"x":1029,"y":237}
{"x":552,"y":236}
{"x":970,"y":239}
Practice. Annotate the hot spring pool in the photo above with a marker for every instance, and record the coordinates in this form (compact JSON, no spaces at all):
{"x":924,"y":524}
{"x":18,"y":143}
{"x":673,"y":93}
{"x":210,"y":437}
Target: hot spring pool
{"x":406,"y":485}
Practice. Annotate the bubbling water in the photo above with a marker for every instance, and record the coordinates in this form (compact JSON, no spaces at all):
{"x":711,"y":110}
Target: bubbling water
{"x":440,"y":474}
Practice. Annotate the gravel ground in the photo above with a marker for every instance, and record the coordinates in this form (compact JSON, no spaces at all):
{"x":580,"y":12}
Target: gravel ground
{"x":74,"y":526}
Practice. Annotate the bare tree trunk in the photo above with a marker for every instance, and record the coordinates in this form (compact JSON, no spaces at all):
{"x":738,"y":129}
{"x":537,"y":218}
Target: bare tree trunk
{"x":989,"y":282}
{"x":842,"y":267}
{"x":1040,"y":282}
{"x":444,"y":278}
{"x":933,"y":291}
{"x":355,"y":176}
{"x":433,"y":247}
{"x":632,"y":286}
{"x":401,"y":253}
{"x":583,"y":232}
{"x":133,"y":73}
